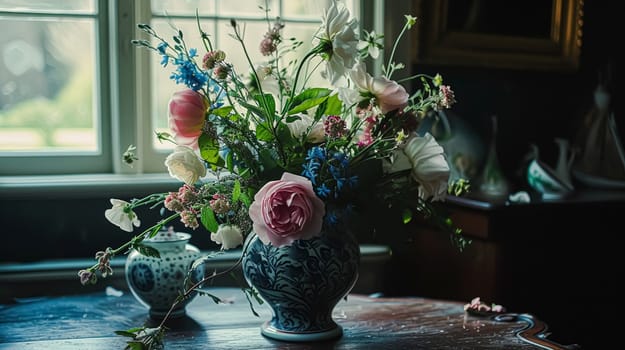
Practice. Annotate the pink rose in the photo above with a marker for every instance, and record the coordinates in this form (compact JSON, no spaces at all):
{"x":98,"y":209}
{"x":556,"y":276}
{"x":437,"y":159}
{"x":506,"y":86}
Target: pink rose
{"x":187,"y":112}
{"x":285,"y":210}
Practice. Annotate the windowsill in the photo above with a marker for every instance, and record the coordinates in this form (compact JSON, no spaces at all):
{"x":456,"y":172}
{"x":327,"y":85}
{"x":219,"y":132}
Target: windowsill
{"x":84,"y":185}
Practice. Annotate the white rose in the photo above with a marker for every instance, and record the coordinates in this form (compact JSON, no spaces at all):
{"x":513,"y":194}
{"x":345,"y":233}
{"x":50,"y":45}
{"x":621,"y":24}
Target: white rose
{"x":120,"y":216}
{"x":429,"y":166}
{"x":229,"y":236}
{"x":185,"y":165}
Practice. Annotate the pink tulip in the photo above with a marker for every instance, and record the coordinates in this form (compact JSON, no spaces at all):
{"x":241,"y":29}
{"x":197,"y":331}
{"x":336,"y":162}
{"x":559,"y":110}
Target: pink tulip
{"x":187,"y":113}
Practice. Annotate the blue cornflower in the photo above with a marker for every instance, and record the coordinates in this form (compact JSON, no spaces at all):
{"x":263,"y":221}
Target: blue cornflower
{"x":311,"y":171}
{"x":342,"y":158}
{"x":192,"y":52}
{"x":323,"y":191}
{"x":162,"y":47}
{"x":316,"y":153}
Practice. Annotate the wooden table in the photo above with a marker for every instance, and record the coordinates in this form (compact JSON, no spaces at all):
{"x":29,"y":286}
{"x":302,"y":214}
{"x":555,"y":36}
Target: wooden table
{"x":88,"y":321}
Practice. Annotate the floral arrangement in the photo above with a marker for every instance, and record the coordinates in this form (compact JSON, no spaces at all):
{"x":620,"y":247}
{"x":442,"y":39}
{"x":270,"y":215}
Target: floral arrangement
{"x":287,"y":160}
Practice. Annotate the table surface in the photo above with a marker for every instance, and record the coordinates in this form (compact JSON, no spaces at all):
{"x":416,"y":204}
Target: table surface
{"x":88,"y":321}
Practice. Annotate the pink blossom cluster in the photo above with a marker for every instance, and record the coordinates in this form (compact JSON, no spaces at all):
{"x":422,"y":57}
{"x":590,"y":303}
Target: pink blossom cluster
{"x":219,"y":204}
{"x":370,"y":118}
{"x":212,"y":58}
{"x":272,"y":38}
{"x":184,"y":202}
{"x":446,"y":97}
{"x":334,"y":126}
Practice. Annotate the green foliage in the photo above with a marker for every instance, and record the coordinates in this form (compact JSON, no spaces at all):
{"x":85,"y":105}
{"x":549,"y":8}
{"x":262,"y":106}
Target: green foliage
{"x":308,"y":99}
{"x":208,"y":219}
{"x":209,"y":149}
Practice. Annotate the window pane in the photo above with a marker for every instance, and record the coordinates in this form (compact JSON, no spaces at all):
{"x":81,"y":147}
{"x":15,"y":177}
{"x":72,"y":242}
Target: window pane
{"x":247,"y":8}
{"x":254,"y":25}
{"x":188,"y":7}
{"x":304,"y":8}
{"x":47,"y":85}
{"x":49,"y":6}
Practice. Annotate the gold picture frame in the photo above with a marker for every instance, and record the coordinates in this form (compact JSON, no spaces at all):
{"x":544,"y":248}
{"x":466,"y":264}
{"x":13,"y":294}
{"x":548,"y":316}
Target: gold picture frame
{"x":557,"y":49}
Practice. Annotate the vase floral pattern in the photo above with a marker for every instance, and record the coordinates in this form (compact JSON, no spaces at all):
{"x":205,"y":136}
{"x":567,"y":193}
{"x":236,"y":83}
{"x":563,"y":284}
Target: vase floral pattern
{"x":158,"y":281}
{"x":302,"y":283}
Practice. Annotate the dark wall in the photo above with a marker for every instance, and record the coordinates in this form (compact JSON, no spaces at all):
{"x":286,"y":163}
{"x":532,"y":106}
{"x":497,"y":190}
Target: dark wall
{"x":537,"y":106}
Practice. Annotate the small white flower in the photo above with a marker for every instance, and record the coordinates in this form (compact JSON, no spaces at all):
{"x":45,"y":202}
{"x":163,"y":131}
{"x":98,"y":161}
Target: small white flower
{"x":372,"y":43}
{"x":121,"y":215}
{"x":340,"y":33}
{"x":184,"y":165}
{"x":229,"y":236}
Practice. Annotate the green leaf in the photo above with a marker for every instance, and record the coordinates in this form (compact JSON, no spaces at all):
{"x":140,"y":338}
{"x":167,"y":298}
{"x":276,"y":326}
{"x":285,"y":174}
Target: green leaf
{"x":147,"y":250}
{"x":209,"y":221}
{"x":264,"y":133}
{"x":306,"y":105}
{"x":407,"y":216}
{"x":209,"y":150}
{"x":222,"y":111}
{"x":309,"y":94}
{"x":333,"y":105}
{"x":253,"y":109}
{"x":269,"y":104}
{"x":229,"y":161}
{"x":267,"y":159}
{"x":283,"y":134}
{"x":136,"y":345}
{"x":125,"y":334}
{"x":245,"y":199}
{"x":236,"y":191}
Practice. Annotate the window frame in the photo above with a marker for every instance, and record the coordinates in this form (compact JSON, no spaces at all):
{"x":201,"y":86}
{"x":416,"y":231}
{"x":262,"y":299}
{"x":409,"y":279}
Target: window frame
{"x":124,"y":100}
{"x":65,"y":162}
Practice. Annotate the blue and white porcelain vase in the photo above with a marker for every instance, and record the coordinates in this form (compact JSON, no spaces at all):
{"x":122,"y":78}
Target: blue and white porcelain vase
{"x":302,"y":283}
{"x":157,"y":281}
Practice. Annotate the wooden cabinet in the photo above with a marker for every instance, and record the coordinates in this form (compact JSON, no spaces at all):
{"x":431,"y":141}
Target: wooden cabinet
{"x":559,"y":260}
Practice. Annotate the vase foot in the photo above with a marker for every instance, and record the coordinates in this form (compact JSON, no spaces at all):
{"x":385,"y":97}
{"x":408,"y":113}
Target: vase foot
{"x":274,"y":333}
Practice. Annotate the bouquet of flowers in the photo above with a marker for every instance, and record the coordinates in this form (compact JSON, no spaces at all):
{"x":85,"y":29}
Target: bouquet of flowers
{"x":244,"y":133}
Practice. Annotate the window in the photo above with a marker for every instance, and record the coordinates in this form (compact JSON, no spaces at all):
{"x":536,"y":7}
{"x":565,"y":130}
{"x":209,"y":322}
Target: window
{"x":49,"y":99}
{"x":74,"y":93}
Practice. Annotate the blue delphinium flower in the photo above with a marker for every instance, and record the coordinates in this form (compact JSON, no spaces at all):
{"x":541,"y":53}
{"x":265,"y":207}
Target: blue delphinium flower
{"x":188,"y":73}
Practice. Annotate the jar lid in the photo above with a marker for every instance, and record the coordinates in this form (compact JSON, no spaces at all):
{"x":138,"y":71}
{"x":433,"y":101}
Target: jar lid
{"x":169,"y":235}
